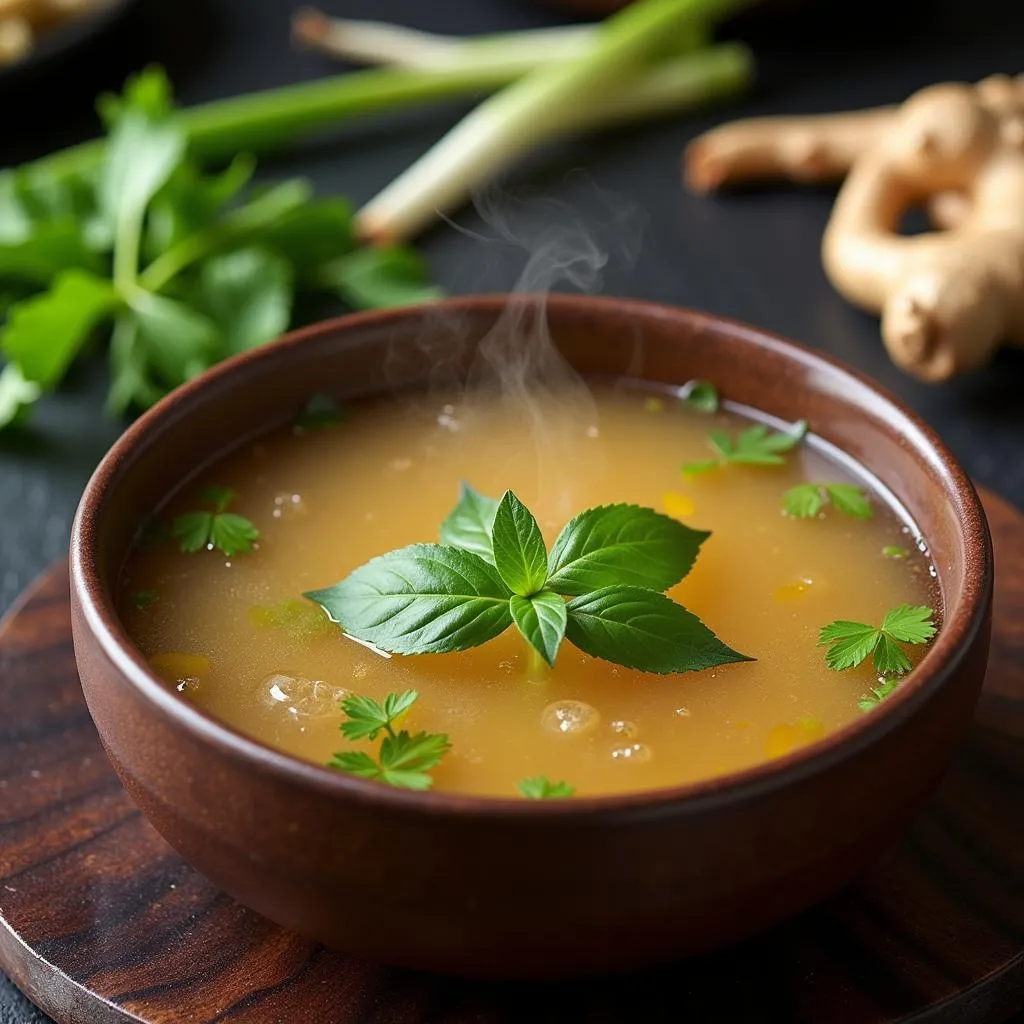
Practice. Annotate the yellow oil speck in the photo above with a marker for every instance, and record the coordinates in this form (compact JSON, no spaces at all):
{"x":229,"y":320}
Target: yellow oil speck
{"x":785,"y":737}
{"x":654,"y":405}
{"x":174,"y":666}
{"x":677,"y":505}
{"x":789,"y":592}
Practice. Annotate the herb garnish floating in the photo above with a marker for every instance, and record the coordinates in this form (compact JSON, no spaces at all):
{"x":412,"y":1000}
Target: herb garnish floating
{"x":850,"y":643}
{"x":806,"y":500}
{"x":403,"y":759}
{"x":540,"y":788}
{"x":320,"y":411}
{"x":144,"y":598}
{"x":227,"y":532}
{"x":895,"y":551}
{"x":613,"y":562}
{"x":752,"y":446}
{"x":701,"y":396}
{"x":878,"y":693}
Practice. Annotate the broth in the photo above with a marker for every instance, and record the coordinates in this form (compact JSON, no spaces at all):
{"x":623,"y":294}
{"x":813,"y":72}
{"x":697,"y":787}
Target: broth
{"x":234,"y":636}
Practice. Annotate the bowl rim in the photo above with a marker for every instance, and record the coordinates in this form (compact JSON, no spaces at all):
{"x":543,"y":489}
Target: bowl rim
{"x":938,"y":664}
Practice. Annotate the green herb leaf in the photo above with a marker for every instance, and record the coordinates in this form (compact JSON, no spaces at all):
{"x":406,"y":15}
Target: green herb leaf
{"x":356,"y":762}
{"x":541,"y":619}
{"x":405,"y":760}
{"x":144,"y":598}
{"x":179,"y":341}
{"x":17,"y":395}
{"x":910,"y":624}
{"x":248,"y":294}
{"x":379,"y":278}
{"x":129,"y":369}
{"x":217,"y":496}
{"x":878,"y":694}
{"x":850,"y":500}
{"x":192,"y":531}
{"x":701,"y":396}
{"x":644,"y":630}
{"x":310,"y":236}
{"x":625,"y":545}
{"x":803,"y":501}
{"x":233,"y":534}
{"x":699,"y":468}
{"x":425,"y":598}
{"x":849,"y":643}
{"x":520,"y":554}
{"x":320,"y":411}
{"x":895,"y":551}
{"x":229,"y":533}
{"x":366,"y":718}
{"x":45,"y":333}
{"x":468,"y":525}
{"x":753,"y":446}
{"x":889,"y":657}
{"x":540,"y":788}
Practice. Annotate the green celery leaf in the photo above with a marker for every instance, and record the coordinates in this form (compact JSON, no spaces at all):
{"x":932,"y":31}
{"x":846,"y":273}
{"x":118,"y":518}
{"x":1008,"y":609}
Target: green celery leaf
{"x":912,"y":624}
{"x":520,"y":554}
{"x":17,"y":395}
{"x":644,"y":630}
{"x":541,"y":788}
{"x":311,"y":236}
{"x":803,"y":501}
{"x":379,"y":277}
{"x":468,"y":525}
{"x":622,"y":545}
{"x":192,"y":530}
{"x":405,"y":759}
{"x":43,"y":334}
{"x":541,"y":619}
{"x":356,"y":762}
{"x":179,"y":342}
{"x":248,"y":294}
{"x":850,"y":500}
{"x":701,"y":396}
{"x":425,"y":598}
{"x":320,"y":410}
{"x":130,"y":383}
{"x":849,"y":643}
{"x":233,"y":534}
{"x":890,"y":660}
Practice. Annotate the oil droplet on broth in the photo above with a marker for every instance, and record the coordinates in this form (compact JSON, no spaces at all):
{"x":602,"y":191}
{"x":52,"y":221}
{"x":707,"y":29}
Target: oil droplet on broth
{"x":249,"y":648}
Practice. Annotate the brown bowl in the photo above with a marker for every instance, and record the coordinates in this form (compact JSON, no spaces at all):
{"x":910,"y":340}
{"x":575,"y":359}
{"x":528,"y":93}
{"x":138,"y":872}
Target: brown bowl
{"x":511,"y":887}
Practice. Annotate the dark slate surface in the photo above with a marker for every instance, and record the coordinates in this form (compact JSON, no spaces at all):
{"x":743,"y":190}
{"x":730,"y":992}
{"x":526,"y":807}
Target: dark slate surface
{"x":753,"y":256}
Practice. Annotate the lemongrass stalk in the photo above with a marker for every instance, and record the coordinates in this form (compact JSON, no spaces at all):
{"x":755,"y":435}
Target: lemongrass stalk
{"x":375,"y":42}
{"x":529,"y":112}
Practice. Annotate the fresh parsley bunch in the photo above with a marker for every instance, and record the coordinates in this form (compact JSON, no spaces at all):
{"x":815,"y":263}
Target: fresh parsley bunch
{"x":493,"y":569}
{"x":185,"y":268}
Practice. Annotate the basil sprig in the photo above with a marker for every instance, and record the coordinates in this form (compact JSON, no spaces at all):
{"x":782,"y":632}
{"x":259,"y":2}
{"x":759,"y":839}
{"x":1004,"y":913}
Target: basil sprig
{"x":493,"y":570}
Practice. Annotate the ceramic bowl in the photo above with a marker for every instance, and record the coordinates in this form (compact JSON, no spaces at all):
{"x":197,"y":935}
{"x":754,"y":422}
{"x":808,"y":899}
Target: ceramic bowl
{"x":503,"y":887}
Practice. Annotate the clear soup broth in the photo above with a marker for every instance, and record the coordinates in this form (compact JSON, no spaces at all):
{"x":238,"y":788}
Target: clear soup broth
{"x":234,"y":636}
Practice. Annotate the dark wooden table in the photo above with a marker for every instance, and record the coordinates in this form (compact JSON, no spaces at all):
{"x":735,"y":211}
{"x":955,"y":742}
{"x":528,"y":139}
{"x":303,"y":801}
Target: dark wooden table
{"x":753,"y":256}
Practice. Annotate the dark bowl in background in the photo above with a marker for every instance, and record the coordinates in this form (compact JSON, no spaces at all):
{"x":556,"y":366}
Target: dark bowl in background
{"x":502,"y":887}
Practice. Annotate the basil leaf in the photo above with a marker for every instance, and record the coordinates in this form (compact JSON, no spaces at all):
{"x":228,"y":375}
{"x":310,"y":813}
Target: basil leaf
{"x":644,"y":630}
{"x":379,"y":277}
{"x":541,"y":619}
{"x":468,"y":525}
{"x":520,"y":554}
{"x":422,"y":599}
{"x":248,"y":293}
{"x":622,"y":545}
{"x":43,"y":334}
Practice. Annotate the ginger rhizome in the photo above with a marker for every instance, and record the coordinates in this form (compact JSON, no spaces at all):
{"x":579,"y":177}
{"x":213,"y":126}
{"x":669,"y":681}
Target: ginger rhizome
{"x":949,"y":297}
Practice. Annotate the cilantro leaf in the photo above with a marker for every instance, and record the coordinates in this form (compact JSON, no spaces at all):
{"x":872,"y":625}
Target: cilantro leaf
{"x":144,"y":598}
{"x":366,"y":718}
{"x":540,"y":788}
{"x":192,"y":531}
{"x":320,"y":411}
{"x":624,"y":545}
{"x":227,"y":532}
{"x":877,"y":694}
{"x":233,"y":534}
{"x":541,"y":619}
{"x":520,"y":555}
{"x":379,"y":277}
{"x":17,"y":395}
{"x":644,"y":630}
{"x":701,"y":396}
{"x":910,"y":624}
{"x":356,"y":762}
{"x":217,"y":496}
{"x":895,"y":551}
{"x":248,"y":294}
{"x":422,"y":599}
{"x":405,"y":759}
{"x":889,"y":657}
{"x":803,"y":501}
{"x":850,"y":500}
{"x":849,"y":643}
{"x":753,"y":446}
{"x":468,"y":525}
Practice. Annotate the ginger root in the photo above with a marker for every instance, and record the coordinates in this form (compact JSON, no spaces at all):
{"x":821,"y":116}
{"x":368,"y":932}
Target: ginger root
{"x":949,"y":297}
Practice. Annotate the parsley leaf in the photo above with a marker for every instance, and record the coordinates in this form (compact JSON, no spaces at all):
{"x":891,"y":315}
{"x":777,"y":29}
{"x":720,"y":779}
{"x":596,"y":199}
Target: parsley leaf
{"x":520,"y":554}
{"x":227,"y":532}
{"x":850,"y":643}
{"x":405,"y":759}
{"x":540,"y":788}
{"x":701,"y":396}
{"x":366,"y":718}
{"x":895,"y":551}
{"x":469,"y":524}
{"x":877,"y":694}
{"x":807,"y":500}
{"x":541,"y":619}
{"x":753,"y":446}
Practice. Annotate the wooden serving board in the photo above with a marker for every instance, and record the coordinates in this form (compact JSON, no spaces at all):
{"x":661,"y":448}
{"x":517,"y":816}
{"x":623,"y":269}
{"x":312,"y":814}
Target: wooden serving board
{"x":100,"y":921}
